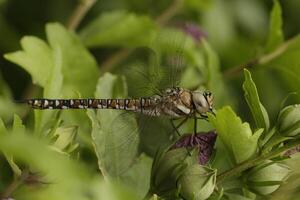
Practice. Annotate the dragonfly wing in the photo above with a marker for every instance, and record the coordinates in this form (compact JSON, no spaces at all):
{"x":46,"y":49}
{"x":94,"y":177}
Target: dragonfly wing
{"x":169,"y":47}
{"x":154,"y":133}
{"x":116,"y":139}
{"x":159,"y":66}
{"x":140,"y":81}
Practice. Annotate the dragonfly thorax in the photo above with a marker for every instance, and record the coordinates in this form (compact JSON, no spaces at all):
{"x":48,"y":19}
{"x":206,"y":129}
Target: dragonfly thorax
{"x":180,"y":102}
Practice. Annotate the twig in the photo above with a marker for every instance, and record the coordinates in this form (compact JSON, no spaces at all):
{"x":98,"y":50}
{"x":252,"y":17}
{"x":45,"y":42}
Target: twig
{"x":264,"y":59}
{"x":115,"y":59}
{"x":169,"y":12}
{"x":234,"y":71}
{"x":122,"y":54}
{"x":80,"y":11}
{"x":255,"y":161}
{"x":14,"y":185}
{"x":277,"y":52}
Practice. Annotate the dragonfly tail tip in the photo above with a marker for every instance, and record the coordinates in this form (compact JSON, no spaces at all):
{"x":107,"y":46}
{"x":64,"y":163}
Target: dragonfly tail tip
{"x":20,"y":101}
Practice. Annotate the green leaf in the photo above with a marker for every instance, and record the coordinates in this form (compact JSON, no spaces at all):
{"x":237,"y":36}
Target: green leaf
{"x":55,"y":78}
{"x":65,"y":54}
{"x":7,"y":107}
{"x":65,"y":137}
{"x":258,"y":111}
{"x":115,"y":135}
{"x":70,"y":177}
{"x":63,"y":68}
{"x":111,"y":86}
{"x":138,"y":176}
{"x":17,"y":126}
{"x":44,"y":66}
{"x":236,"y":135}
{"x":52,"y":89}
{"x":275,"y":37}
{"x":79,"y":68}
{"x":118,"y":28}
{"x":36,"y":58}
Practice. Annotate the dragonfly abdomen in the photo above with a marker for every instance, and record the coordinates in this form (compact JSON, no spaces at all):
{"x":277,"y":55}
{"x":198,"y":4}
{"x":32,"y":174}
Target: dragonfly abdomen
{"x":137,"y":105}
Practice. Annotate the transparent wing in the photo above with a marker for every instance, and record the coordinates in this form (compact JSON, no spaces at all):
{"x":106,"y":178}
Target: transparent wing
{"x":154,"y":133}
{"x":169,"y":47}
{"x":158,"y":66}
{"x":116,"y":139}
{"x":141,"y":83}
{"x":150,"y":132}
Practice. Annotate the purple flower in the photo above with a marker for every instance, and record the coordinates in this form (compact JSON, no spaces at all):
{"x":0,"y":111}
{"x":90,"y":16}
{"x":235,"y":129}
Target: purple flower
{"x":193,"y":30}
{"x":205,"y":141}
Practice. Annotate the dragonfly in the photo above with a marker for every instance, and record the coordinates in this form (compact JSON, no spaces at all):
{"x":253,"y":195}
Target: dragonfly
{"x":173,"y":102}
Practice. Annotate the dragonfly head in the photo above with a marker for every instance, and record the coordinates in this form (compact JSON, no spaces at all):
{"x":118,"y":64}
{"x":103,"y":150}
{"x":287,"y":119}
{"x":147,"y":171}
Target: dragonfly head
{"x":203,"y":101}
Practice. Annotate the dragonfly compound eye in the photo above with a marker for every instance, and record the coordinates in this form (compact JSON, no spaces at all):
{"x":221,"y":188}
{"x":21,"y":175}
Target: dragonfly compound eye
{"x":200,"y":102}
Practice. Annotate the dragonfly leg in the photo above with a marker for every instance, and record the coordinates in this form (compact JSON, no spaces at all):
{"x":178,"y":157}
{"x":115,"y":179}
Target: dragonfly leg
{"x":195,"y":131}
{"x":195,"y":126}
{"x":175,"y":128}
{"x":203,"y":117}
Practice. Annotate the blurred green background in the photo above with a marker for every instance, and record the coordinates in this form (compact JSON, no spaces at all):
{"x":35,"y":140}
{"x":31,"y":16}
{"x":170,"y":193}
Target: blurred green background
{"x":237,"y":30}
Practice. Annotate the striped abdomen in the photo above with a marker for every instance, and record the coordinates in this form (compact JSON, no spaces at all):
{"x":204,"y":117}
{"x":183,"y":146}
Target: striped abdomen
{"x":137,"y":105}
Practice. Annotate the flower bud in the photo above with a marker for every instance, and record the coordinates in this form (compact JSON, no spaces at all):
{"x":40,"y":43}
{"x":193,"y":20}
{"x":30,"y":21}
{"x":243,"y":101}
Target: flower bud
{"x":289,"y":120}
{"x":267,"y":177}
{"x":169,"y":165}
{"x":166,"y":169}
{"x":65,"y":138}
{"x":197,"y":182}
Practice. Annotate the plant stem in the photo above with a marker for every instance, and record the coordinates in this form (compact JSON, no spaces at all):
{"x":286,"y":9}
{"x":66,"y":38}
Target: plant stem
{"x":255,"y":161}
{"x":115,"y":59}
{"x":264,"y":59}
{"x":14,"y":185}
{"x":234,"y":71}
{"x":169,"y":12}
{"x":122,"y":54}
{"x":80,"y":11}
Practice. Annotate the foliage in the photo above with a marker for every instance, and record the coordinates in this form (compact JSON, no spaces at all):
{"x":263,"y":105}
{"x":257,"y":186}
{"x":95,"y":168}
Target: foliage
{"x":124,"y":49}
